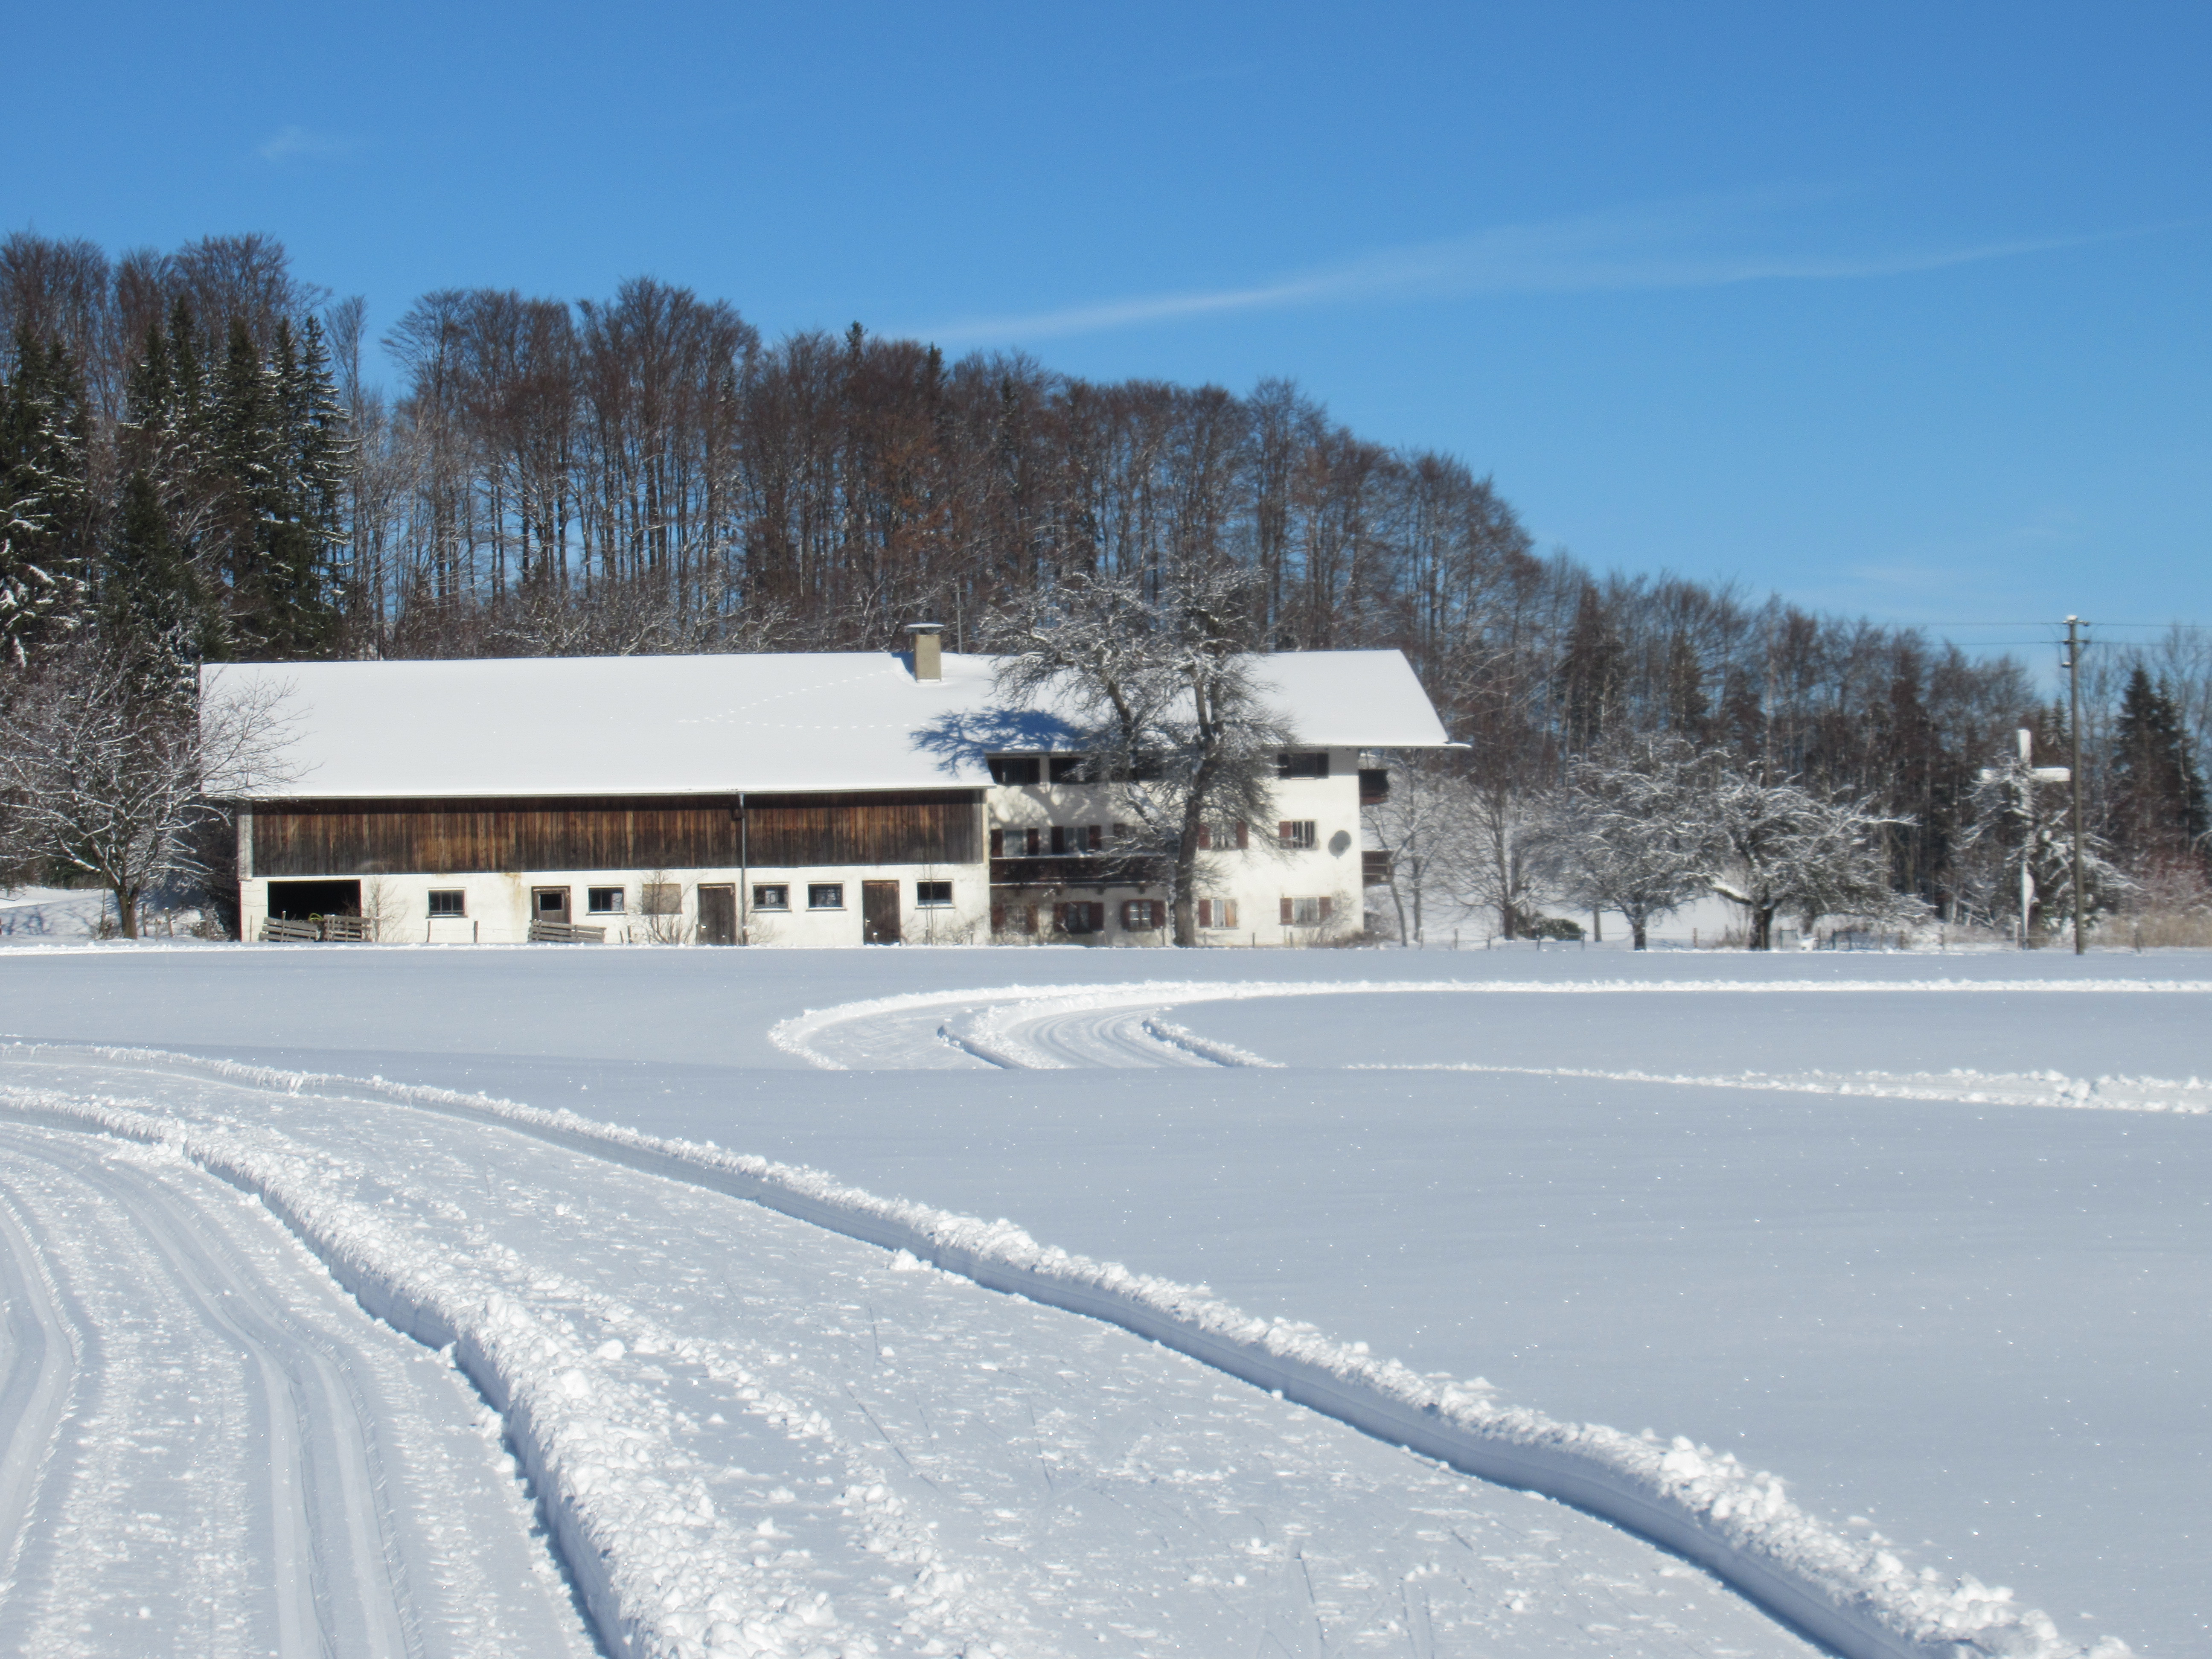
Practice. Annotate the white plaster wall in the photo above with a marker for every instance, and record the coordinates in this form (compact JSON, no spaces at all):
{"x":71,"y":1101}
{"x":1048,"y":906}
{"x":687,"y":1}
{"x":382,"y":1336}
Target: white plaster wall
{"x":498,"y":905}
{"x":1258,"y":879}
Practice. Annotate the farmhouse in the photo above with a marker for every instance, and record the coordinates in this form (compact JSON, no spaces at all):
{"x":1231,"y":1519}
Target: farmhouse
{"x":809,"y":799}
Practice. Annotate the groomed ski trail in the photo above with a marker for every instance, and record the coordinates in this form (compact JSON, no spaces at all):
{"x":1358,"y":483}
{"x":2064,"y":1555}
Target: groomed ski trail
{"x":212,"y":1454}
{"x":1854,"y":1593}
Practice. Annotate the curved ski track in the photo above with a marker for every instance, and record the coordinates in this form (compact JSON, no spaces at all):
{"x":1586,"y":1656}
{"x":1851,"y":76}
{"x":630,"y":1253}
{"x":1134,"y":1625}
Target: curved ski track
{"x":199,"y":1432}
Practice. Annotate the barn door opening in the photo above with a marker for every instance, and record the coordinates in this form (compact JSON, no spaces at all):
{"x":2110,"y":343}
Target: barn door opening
{"x":295,"y":901}
{"x":718,"y":915}
{"x":879,"y":913}
{"x":549,"y":904}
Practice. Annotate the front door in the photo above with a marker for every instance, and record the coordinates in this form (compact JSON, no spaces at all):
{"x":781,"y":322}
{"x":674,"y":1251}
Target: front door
{"x":718,"y":915}
{"x":549,"y":904}
{"x":879,"y":913}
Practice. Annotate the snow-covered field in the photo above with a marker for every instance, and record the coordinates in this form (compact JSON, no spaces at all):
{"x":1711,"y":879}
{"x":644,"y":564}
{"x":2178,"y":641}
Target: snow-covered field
{"x":1927,"y":1236}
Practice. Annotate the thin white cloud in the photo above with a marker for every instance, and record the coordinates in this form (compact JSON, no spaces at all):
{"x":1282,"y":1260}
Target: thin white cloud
{"x":293,"y":143}
{"x":1667,"y":244}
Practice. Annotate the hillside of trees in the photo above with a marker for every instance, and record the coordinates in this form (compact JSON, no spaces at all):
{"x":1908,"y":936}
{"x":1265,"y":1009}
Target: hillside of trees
{"x":199,"y":461}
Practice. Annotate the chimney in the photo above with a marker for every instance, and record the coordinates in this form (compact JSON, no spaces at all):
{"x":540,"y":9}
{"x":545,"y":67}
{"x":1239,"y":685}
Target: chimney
{"x":928,"y":650}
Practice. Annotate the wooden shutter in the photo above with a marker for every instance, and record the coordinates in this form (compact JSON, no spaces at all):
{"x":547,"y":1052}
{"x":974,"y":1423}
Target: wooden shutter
{"x":997,"y":843}
{"x":1325,"y":902}
{"x":1205,"y":837}
{"x":1243,"y":835}
{"x":1205,"y":913}
{"x":1228,"y":909}
{"x":1287,"y":912}
{"x":1097,"y":918}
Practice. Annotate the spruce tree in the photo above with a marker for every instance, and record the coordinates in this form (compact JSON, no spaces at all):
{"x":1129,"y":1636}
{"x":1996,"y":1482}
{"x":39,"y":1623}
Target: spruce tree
{"x":2155,"y":793}
{"x":150,"y":614}
{"x":45,"y":498}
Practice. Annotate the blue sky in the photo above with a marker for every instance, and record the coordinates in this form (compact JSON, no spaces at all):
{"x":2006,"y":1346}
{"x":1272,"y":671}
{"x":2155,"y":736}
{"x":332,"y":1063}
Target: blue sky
{"x":1899,"y":309}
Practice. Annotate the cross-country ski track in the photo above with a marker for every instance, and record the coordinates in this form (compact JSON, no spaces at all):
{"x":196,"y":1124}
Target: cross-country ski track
{"x":765,"y":1412}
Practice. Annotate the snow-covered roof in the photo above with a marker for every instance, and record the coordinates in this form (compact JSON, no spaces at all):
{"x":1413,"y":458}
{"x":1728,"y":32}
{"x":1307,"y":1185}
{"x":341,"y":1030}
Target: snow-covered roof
{"x":713,"y":724}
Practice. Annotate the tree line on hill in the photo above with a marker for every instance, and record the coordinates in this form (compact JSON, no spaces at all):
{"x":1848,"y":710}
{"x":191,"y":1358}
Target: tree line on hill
{"x":197,"y":464}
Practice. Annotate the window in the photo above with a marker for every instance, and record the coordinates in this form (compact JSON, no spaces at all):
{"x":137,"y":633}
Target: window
{"x":1374,"y":785}
{"x":1305,"y":912}
{"x":1084,"y":917}
{"x":773,"y":896}
{"x":1022,"y":918}
{"x":1313,"y":764}
{"x":932,"y":895}
{"x":449,"y":904}
{"x":1220,"y":837}
{"x":1217,"y":912}
{"x":1078,"y":838}
{"x":1017,"y":768}
{"x":604,"y":901}
{"x":825,"y":895}
{"x":1142,"y":915}
{"x":662,"y":898}
{"x":1071,"y":768}
{"x":1298,"y":834}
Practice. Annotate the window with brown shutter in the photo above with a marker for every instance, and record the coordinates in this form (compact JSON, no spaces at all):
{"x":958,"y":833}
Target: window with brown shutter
{"x":1140,"y":915}
{"x":1297,"y":833}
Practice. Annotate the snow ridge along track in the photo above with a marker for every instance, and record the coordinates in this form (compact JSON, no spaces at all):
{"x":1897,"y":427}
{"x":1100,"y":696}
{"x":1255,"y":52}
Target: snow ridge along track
{"x":1854,"y":1596}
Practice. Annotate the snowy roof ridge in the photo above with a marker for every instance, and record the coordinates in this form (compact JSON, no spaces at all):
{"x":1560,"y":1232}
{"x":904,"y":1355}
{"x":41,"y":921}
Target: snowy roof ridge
{"x":768,"y":722}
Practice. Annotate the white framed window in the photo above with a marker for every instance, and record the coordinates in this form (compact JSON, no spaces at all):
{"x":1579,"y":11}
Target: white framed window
{"x":1142,"y":916}
{"x":1296,"y":834}
{"x":771,"y":895}
{"x":825,"y":895}
{"x":604,"y":901}
{"x":450,"y":902}
{"x":1306,"y":912}
{"x":1217,"y":912}
{"x":932,"y":895}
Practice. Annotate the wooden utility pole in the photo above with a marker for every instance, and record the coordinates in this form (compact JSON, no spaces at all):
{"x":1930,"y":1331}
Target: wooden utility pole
{"x":2074,"y":730}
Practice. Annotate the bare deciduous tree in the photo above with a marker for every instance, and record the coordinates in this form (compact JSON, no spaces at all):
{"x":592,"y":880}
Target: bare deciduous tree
{"x":1169,"y":698}
{"x":101,"y":776}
